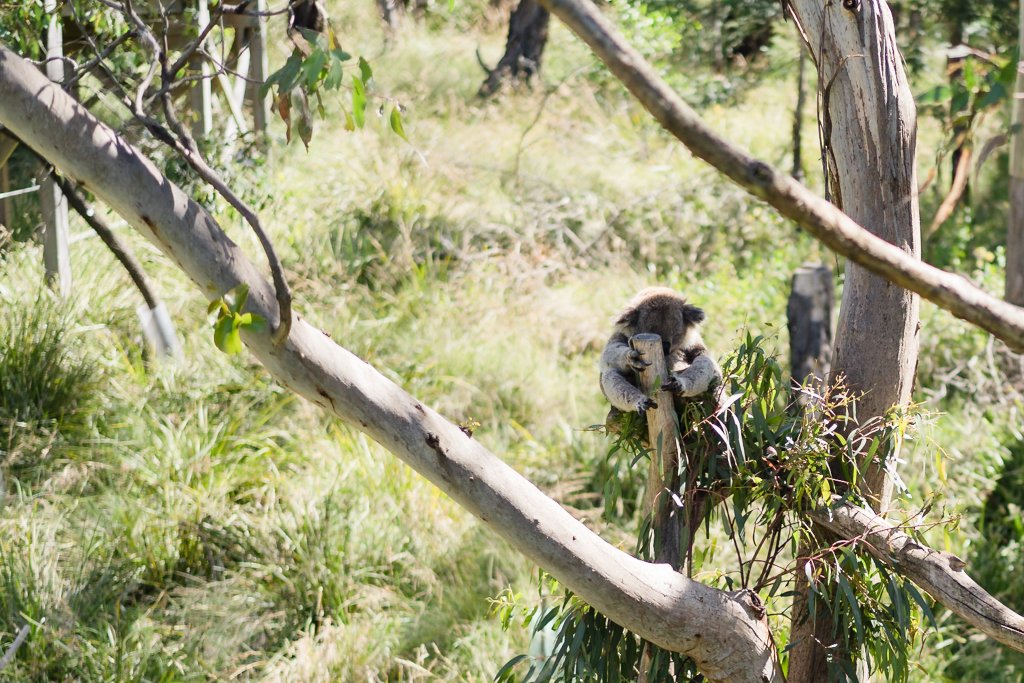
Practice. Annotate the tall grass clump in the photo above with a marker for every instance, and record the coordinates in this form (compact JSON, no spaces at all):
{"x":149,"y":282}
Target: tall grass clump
{"x":47,"y":388}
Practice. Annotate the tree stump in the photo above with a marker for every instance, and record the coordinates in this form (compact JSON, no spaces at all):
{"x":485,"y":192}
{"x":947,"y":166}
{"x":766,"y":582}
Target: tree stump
{"x":809,"y":318}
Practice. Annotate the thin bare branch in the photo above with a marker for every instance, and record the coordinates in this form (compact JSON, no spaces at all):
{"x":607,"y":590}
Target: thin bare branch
{"x":183,"y":143}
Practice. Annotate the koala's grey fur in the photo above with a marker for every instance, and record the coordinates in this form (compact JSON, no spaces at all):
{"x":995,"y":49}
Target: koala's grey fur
{"x":661,"y":311}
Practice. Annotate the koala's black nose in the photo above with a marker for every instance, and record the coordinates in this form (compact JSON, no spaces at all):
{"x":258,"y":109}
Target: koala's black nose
{"x":664,"y":347}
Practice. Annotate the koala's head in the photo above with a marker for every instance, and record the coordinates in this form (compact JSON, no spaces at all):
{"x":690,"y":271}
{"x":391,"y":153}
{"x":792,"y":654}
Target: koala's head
{"x":664,"y":312}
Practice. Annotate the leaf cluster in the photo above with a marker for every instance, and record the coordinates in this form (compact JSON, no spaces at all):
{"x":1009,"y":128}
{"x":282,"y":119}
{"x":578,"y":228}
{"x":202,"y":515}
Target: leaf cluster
{"x":316,"y":65}
{"x":230,"y":321}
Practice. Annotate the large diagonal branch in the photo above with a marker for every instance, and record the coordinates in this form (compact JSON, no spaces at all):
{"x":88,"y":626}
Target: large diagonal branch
{"x":720,"y":631}
{"x":821,"y":219}
{"x":940,"y":574}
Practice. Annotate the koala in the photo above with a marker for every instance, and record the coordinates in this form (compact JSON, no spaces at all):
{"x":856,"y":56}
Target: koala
{"x":661,"y":311}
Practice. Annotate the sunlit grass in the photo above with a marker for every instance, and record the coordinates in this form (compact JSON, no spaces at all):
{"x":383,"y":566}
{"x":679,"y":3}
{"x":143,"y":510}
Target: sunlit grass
{"x":195,"y":521}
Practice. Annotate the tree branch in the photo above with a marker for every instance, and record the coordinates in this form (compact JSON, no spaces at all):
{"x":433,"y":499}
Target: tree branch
{"x":118,"y":248}
{"x":822,"y":220}
{"x":938,"y":573}
{"x":721,"y":631}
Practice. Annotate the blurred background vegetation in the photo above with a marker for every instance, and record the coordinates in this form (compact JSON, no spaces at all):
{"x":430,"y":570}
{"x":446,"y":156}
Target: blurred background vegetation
{"x":194,"y":521}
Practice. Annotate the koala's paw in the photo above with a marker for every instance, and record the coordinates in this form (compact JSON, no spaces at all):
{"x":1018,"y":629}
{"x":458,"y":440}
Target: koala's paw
{"x":672,"y":385}
{"x":646,"y":404}
{"x":636,"y":360}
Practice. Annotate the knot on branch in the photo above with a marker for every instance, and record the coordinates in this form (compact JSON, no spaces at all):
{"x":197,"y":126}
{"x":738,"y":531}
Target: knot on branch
{"x":760,"y":173}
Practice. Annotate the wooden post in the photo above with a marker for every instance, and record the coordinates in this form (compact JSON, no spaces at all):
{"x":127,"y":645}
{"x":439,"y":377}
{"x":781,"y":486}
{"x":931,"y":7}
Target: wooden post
{"x":202,"y":90}
{"x":666,"y":451}
{"x":55,"y":208}
{"x":7,"y":147}
{"x":809,"y":317}
{"x":258,"y":70}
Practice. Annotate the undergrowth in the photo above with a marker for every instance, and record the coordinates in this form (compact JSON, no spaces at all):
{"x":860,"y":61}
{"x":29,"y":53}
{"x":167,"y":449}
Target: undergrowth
{"x":193,"y":521}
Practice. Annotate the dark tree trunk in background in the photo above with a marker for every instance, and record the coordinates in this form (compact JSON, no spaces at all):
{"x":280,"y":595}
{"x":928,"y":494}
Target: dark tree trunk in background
{"x":527,"y":36}
{"x":809,"y":318}
{"x":308,"y":14}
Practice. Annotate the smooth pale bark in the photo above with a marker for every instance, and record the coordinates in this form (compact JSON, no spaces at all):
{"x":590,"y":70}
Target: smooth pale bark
{"x":1015,"y":229}
{"x":719,"y":630}
{"x":870,"y":124}
{"x":818,"y":217}
{"x":666,"y":449}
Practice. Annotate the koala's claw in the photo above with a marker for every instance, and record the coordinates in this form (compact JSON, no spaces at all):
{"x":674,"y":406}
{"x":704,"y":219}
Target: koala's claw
{"x":636,"y":360}
{"x":646,"y":404}
{"x":672,"y":386}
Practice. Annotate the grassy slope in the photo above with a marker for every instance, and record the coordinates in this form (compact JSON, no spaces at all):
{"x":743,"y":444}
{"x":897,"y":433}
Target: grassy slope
{"x":196,"y":522}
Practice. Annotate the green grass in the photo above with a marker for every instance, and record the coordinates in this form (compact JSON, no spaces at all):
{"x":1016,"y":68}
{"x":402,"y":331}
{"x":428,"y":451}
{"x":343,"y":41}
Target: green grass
{"x":194,"y":521}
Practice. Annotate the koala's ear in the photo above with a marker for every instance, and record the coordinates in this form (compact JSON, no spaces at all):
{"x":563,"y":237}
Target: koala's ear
{"x":629,"y":318}
{"x":693,"y":315}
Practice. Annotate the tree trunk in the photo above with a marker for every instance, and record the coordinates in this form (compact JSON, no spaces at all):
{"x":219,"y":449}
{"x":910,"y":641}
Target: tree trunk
{"x":1015,"y":229}
{"x":869,"y":127}
{"x":724,"y":632}
{"x":527,"y":36}
{"x":666,"y":449}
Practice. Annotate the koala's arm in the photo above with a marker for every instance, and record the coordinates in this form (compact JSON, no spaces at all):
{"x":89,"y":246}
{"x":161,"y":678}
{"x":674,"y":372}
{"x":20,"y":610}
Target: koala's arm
{"x":693,"y":372}
{"x":619,"y":363}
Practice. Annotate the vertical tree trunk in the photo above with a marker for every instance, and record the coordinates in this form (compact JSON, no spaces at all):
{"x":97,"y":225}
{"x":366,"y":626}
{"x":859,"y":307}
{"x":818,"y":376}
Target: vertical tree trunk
{"x":527,"y":36}
{"x":869,"y":125}
{"x":1015,"y":229}
{"x":666,"y":452}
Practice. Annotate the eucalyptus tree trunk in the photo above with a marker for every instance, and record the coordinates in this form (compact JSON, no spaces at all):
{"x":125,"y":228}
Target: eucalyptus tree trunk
{"x":1015,"y":229}
{"x":868,"y":121}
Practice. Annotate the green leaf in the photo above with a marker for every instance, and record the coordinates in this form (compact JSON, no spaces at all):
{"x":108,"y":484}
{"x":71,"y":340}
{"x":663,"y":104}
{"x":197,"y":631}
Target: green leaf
{"x":239,"y":295}
{"x":222,"y":329}
{"x":396,"y":123}
{"x":922,"y":602}
{"x":217,"y":304}
{"x":851,"y":600}
{"x":285,"y":76}
{"x":358,"y":102}
{"x":332,"y":81}
{"x":995,"y":96}
{"x":313,"y":67}
{"x":365,"y":72}
{"x":504,"y":673}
